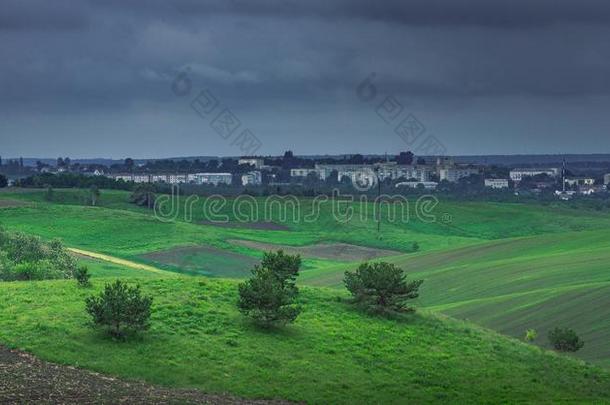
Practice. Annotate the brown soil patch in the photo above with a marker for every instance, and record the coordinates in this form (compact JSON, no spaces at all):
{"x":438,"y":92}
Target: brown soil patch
{"x":263,"y":226}
{"x":26,"y":379}
{"x":332,"y":251}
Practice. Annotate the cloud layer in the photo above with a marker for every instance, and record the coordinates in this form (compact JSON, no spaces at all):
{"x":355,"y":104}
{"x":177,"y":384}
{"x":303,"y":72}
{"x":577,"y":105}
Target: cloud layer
{"x":87,"y":71}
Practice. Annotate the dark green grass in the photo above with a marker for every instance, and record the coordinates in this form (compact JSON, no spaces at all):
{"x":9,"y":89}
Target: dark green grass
{"x":332,"y":354}
{"x":203,"y":260}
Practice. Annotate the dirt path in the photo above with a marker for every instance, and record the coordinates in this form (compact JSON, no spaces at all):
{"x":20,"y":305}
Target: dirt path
{"x":26,"y":379}
{"x":120,"y":262}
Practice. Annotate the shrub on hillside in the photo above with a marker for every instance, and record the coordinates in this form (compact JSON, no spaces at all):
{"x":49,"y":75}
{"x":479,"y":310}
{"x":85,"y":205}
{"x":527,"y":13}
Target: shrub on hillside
{"x":531,"y":335}
{"x":82,"y":276}
{"x":269,"y":296}
{"x":381,"y":287}
{"x":565,"y":340}
{"x":284,"y":267}
{"x":25,"y":257}
{"x":143,"y":195}
{"x":120,"y":309}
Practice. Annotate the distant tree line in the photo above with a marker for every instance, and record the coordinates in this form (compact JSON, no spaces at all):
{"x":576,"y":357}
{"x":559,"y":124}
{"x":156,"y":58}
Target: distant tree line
{"x":73,"y":180}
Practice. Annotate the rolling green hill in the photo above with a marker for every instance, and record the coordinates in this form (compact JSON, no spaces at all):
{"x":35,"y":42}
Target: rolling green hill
{"x":511,"y":285}
{"x":332,"y":354}
{"x":508,"y":267}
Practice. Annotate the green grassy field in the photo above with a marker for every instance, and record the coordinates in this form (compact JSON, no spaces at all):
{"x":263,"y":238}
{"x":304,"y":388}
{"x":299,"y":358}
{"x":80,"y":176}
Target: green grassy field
{"x":515,"y":284}
{"x":332,"y":354}
{"x":508,"y":267}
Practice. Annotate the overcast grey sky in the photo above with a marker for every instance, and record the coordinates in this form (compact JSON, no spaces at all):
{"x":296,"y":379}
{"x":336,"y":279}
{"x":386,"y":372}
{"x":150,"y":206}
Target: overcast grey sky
{"x":93,"y":78}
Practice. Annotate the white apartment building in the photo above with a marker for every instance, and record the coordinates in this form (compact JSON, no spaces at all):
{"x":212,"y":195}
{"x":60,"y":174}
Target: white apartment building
{"x":428,"y":185}
{"x":453,"y":175}
{"x":176,"y":178}
{"x":496,"y":183}
{"x":305,"y":172}
{"x":158,"y":178}
{"x":256,"y":162}
{"x":254,"y":178}
{"x":519,"y":174}
{"x":124,"y":177}
{"x":141,"y":178}
{"x":421,"y":173}
{"x":210,"y":178}
{"x":387,"y":170}
{"x":579,"y":181}
{"x":325,"y":170}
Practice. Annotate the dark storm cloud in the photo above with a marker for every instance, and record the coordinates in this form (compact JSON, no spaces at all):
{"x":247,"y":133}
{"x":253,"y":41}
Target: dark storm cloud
{"x":104,"y":49}
{"x":37,"y":15}
{"x":489,"y":13}
{"x":119,"y":56}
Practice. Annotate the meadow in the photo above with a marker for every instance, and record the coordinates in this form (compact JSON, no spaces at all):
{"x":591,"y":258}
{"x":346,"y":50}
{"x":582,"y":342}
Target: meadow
{"x":332,"y":354}
{"x":506,"y":267}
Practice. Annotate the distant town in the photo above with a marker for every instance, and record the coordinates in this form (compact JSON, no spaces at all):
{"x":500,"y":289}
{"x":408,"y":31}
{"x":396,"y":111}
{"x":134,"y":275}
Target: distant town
{"x":401,"y":171}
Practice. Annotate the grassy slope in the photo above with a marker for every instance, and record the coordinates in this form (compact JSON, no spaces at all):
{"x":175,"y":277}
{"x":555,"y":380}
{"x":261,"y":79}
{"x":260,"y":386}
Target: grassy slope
{"x":469,"y":222}
{"x":557,"y":278}
{"x":540,"y":283}
{"x":332,"y":354}
{"x":99,"y":268}
{"x":511,"y":285}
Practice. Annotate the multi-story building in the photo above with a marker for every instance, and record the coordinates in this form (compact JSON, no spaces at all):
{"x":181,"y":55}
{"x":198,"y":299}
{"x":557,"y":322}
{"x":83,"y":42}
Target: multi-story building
{"x":579,"y":181}
{"x":454,"y":174}
{"x":210,"y":178}
{"x":519,"y":174}
{"x":158,"y":178}
{"x":256,"y":162}
{"x":176,"y":178}
{"x":496,"y":183}
{"x":383,"y":171}
{"x":420,"y":173}
{"x":607,"y":179}
{"x":428,"y":185}
{"x":141,"y":178}
{"x":124,"y":177}
{"x":136,"y":178}
{"x":252,"y":178}
{"x":304,"y":172}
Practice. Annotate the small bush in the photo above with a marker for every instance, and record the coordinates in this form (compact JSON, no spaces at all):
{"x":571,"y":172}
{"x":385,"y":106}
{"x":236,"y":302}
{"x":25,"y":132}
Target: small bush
{"x":82,"y":276}
{"x":269,"y":296}
{"x":120,"y":309}
{"x":381,"y":287}
{"x":25,"y":257}
{"x":530,"y":335}
{"x":565,"y":340}
{"x":143,"y":195}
